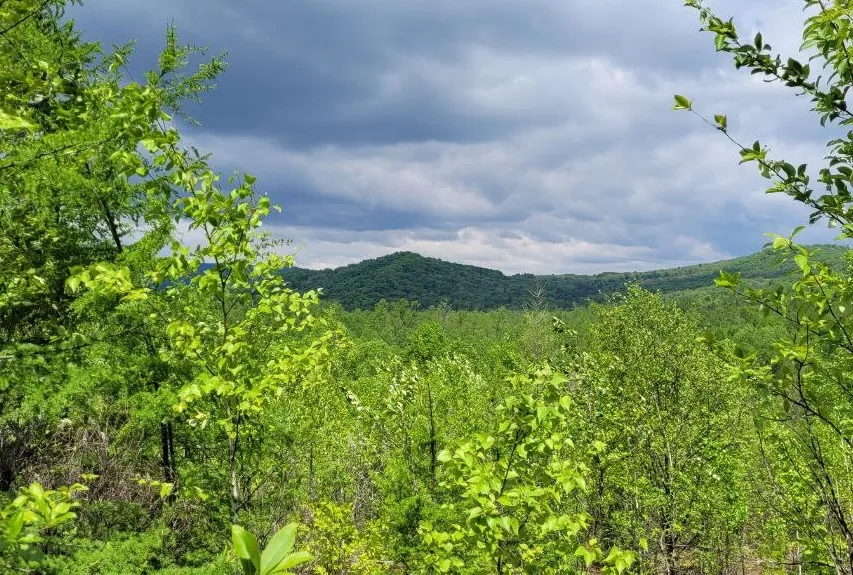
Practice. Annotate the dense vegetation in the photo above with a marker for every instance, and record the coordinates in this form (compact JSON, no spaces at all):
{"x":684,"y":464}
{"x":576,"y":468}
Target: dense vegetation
{"x":186,"y":411}
{"x":432,"y":282}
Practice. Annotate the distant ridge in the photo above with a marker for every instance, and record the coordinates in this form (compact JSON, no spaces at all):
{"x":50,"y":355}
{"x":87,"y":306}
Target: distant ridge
{"x":431,"y":281}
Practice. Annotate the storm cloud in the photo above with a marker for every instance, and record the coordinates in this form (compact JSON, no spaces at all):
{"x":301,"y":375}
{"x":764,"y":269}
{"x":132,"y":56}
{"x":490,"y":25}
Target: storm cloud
{"x":525,"y":136}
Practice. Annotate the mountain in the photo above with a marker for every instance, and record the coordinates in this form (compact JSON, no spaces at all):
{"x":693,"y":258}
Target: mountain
{"x":431,"y":281}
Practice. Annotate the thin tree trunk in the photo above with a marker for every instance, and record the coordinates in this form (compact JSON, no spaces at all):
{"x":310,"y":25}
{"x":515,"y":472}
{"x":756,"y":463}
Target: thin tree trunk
{"x":233,"y":449}
{"x":111,"y":224}
{"x":167,"y":438}
{"x":167,"y":451}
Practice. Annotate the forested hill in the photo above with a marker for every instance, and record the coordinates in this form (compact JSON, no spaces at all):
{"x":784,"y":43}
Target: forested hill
{"x":431,"y":281}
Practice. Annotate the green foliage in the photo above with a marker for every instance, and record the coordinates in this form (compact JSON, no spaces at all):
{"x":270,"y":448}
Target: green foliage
{"x":516,"y":509}
{"x":130,"y":554}
{"x":240,"y":336}
{"x":434,"y":283}
{"x":427,"y":342}
{"x":276,"y":558}
{"x":205,"y":387}
{"x":29,"y":519}
{"x":406,"y":413}
{"x":342,"y":547}
{"x":676,"y":465}
{"x":805,"y":407}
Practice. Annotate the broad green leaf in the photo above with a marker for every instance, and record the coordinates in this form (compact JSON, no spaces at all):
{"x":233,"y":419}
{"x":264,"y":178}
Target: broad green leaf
{"x":802,"y":262}
{"x":293,"y":560}
{"x":14,"y":525}
{"x":278,"y":547}
{"x":246,"y":549}
{"x":36,"y":491}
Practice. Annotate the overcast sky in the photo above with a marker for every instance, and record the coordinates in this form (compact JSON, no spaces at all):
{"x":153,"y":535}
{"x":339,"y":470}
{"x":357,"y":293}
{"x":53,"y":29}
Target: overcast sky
{"x":522,"y":135}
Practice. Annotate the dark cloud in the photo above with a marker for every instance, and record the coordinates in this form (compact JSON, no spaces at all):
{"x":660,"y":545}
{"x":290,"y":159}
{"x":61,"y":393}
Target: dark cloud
{"x":529,"y":135}
{"x":314,"y":72}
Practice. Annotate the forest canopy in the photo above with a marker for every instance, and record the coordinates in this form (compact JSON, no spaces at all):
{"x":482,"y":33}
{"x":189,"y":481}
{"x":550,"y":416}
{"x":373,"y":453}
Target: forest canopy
{"x":432,"y":282}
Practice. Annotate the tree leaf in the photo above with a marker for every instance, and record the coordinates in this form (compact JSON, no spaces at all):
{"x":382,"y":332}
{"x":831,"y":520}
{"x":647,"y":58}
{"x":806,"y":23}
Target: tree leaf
{"x":14,"y":525}
{"x":682,"y":103}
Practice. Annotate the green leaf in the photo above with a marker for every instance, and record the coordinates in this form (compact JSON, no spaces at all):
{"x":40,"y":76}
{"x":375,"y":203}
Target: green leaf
{"x":166,"y":489}
{"x":802,"y":262}
{"x":682,"y":103}
{"x":72,"y":283}
{"x":587,"y":555}
{"x":14,"y":525}
{"x":293,"y":560}
{"x":246,"y":549}
{"x":727,"y":279}
{"x":36,"y":491}
{"x":278,"y":548}
{"x":780,"y":242}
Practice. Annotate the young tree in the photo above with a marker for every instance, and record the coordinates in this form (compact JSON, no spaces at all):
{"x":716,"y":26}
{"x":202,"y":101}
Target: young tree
{"x":240,"y":336}
{"x":408,"y":412}
{"x":805,"y":419}
{"x":539,"y":338}
{"x":94,"y":178}
{"x":517,"y":505}
{"x":674,"y":468}
{"x":68,"y":124}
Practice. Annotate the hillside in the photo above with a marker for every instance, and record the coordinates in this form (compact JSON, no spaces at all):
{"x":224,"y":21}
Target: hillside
{"x":431,"y":281}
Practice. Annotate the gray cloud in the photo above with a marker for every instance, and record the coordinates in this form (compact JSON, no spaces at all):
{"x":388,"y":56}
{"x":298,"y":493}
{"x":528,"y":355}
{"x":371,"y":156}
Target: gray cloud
{"x":527,"y":136}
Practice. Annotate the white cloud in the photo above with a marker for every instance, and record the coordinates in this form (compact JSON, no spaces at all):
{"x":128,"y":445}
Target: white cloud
{"x":489,"y":248}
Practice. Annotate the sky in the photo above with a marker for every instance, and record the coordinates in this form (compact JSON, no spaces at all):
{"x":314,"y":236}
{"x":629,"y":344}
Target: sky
{"x":521,"y":135}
